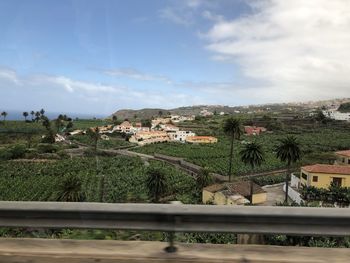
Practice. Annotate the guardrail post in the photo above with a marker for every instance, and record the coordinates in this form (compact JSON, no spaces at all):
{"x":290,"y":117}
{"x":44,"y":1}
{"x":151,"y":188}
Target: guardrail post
{"x":171,"y":248}
{"x":171,"y":235}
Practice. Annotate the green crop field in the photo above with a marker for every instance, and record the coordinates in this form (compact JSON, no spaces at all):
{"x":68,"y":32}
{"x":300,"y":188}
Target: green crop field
{"x":88,"y":123}
{"x":114,"y":141}
{"x":215,"y":156}
{"x":124,"y":179}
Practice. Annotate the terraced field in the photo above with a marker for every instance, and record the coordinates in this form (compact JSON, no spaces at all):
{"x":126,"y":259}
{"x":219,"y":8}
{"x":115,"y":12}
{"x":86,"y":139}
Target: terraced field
{"x":315,"y":144}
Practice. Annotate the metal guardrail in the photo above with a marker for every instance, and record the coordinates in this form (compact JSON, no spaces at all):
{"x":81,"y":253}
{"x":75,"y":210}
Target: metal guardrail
{"x":178,"y":218}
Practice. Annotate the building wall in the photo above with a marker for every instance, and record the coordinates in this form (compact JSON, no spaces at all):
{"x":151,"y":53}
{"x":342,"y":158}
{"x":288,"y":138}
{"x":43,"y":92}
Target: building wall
{"x":219,"y":198}
{"x":259,"y":198}
{"x":207,"y":196}
{"x":323,"y":180}
{"x":336,"y":115}
{"x":180,"y":135}
{"x":212,"y":140}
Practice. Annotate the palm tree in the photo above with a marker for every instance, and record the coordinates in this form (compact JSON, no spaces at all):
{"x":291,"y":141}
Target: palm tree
{"x":46,"y":123}
{"x":233,"y":128}
{"x":70,"y":190}
{"x":32,"y":113}
{"x":25,"y":115}
{"x":156,"y":184}
{"x":203,"y":178}
{"x":252,"y":154}
{"x":94,"y":134}
{"x":37,"y":116}
{"x":288,"y":151}
{"x":4,"y":114}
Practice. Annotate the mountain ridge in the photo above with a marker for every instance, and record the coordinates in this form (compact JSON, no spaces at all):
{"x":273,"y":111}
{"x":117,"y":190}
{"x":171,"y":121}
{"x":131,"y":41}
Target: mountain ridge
{"x":147,"y":113}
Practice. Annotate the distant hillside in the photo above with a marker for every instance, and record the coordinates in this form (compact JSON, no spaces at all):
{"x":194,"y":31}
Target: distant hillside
{"x":345,"y":107}
{"x":190,"y":110}
{"x":195,"y":110}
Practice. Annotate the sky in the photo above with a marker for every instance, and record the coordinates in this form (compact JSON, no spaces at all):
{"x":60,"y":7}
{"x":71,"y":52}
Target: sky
{"x":99,"y":56}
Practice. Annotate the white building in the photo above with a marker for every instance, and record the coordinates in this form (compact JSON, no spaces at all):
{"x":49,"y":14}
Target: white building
{"x":143,"y":138}
{"x":337,"y":115}
{"x":206,"y":113}
{"x":124,"y":127}
{"x":179,"y":118}
{"x":169,"y":127}
{"x":180,"y":135}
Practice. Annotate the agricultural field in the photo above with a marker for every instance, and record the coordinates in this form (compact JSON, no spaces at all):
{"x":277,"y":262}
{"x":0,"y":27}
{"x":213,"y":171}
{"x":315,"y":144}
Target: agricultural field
{"x":82,"y":124}
{"x":20,"y":132}
{"x":317,"y":146}
{"x":124,"y":180}
{"x":115,"y":141}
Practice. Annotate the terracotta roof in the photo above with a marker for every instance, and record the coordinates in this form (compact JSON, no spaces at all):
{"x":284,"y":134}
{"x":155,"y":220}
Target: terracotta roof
{"x":214,"y":188}
{"x":243,"y":188}
{"x":344,"y":153}
{"x":327,"y":168}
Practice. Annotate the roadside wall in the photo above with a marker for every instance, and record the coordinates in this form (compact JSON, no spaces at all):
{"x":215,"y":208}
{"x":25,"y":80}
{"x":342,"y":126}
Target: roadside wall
{"x":293,"y":194}
{"x":295,"y":181}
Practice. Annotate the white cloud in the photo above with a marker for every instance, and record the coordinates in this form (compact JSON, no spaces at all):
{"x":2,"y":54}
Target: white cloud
{"x":9,"y":75}
{"x":136,"y":74}
{"x":296,"y":49}
{"x":61,"y":93}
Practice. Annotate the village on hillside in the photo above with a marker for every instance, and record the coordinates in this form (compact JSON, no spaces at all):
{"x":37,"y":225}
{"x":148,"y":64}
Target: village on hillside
{"x":160,"y":130}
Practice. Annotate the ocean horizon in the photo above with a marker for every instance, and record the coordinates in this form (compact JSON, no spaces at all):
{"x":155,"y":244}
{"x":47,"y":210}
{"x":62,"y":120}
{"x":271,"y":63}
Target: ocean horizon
{"x":15,"y":115}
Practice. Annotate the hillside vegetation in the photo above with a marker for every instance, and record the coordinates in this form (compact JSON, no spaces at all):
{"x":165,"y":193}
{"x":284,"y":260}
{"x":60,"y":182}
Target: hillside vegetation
{"x":345,"y":107}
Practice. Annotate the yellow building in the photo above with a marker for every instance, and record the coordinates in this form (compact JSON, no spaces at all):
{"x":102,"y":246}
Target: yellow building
{"x":201,"y":139}
{"x":322,"y":175}
{"x":233,"y":194}
{"x":343,"y":157}
{"x":148,"y":137}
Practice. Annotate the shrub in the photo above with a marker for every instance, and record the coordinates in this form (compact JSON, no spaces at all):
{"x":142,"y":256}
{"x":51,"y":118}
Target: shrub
{"x":52,"y":156}
{"x":269,"y":179}
{"x":13,"y":152}
{"x":47,"y":148}
{"x":18,"y":151}
{"x":5,"y":154}
{"x":63,"y":154}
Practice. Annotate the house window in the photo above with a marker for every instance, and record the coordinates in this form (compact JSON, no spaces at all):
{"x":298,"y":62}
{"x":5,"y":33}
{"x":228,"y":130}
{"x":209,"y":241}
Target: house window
{"x":315,"y":179}
{"x":337,"y":181}
{"x":348,"y":161}
{"x":304,"y":176}
{"x":343,"y":160}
